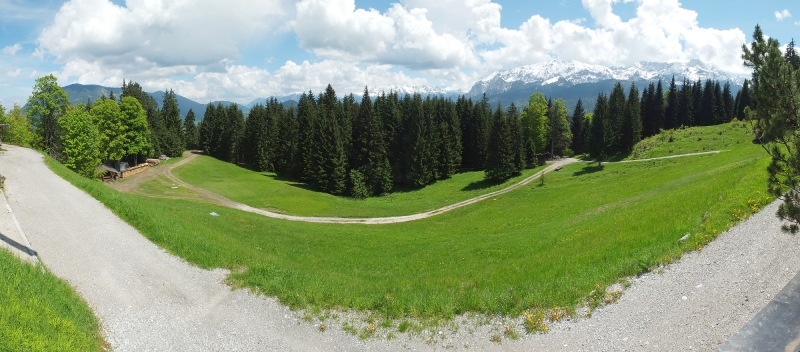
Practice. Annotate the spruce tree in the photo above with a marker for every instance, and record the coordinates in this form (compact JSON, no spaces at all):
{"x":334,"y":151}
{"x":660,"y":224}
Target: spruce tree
{"x":598,"y":142}
{"x":516,"y":135}
{"x":500,"y":159}
{"x":330,"y":156}
{"x":418,"y":148}
{"x":633,"y":119}
{"x":671,"y":109}
{"x":172,"y":138}
{"x":560,"y":134}
{"x":615,"y":131}
{"x":575,"y":127}
{"x":190,"y":131}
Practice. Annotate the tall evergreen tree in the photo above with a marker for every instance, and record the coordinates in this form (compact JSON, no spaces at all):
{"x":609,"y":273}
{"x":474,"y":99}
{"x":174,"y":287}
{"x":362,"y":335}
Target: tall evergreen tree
{"x":500,"y":161}
{"x":172,"y":138}
{"x":686,"y":106}
{"x":307,"y":124}
{"x":419,"y":170}
{"x":791,"y":55}
{"x":575,"y":127}
{"x":233,"y":133}
{"x":598,"y":142}
{"x":190,"y":133}
{"x":614,"y":121}
{"x":633,"y":119}
{"x":330,"y":156}
{"x":671,"y":109}
{"x":708,"y":109}
{"x":559,"y":132}
{"x":369,"y":155}
{"x":515,"y":133}
{"x":727,"y":102}
{"x":743,"y":100}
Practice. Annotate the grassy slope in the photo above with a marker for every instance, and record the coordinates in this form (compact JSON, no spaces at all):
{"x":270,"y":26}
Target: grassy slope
{"x":534,"y":247}
{"x":39,"y":312}
{"x":265,"y":190}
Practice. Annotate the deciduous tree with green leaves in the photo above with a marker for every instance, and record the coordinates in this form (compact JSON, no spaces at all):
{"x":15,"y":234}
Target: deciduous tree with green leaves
{"x":113,"y":132}
{"x":535,"y":126}
{"x":19,"y":130}
{"x":47,"y":103}
{"x":80,"y":141}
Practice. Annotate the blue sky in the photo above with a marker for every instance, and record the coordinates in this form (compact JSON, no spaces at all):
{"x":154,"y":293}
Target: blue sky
{"x":240,"y":50}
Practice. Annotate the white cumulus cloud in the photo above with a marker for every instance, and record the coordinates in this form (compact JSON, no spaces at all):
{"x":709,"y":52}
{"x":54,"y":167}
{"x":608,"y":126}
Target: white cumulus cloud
{"x":11,"y":49}
{"x":195,"y":46}
{"x":782,"y":15}
{"x":145,"y":36}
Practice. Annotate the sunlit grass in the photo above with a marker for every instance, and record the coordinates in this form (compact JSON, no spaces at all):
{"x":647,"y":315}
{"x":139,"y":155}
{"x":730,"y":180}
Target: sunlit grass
{"x":538,"y":246}
{"x":39,"y":312}
{"x":268,"y":191}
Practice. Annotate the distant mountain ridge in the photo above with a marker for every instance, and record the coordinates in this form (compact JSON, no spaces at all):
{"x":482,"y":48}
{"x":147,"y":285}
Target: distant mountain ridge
{"x":570,"y":80}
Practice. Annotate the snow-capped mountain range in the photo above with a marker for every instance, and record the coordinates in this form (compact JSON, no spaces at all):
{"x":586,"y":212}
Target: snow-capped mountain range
{"x":572,"y":73}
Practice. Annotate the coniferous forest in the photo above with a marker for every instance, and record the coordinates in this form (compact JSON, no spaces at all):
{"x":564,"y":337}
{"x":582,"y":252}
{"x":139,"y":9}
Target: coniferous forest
{"x":386,"y":141}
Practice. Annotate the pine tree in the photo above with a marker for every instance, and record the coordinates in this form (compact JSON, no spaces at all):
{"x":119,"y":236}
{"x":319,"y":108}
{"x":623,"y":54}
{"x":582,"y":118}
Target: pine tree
{"x":727,"y":103}
{"x":418,"y":149}
{"x":671,"y":109}
{"x":286,"y":147}
{"x":615,"y":131}
{"x":369,"y":155}
{"x":515,"y":133}
{"x":708,"y":109}
{"x":560,"y":134}
{"x":598,"y":142}
{"x":233,"y":133}
{"x":633,"y":119}
{"x":575,"y":127}
{"x":307,"y":124}
{"x":658,"y":108}
{"x":190,"y":133}
{"x":330,"y":156}
{"x":686,"y":106}
{"x":172,"y":138}
{"x":791,"y":55}
{"x":500,"y":161}
{"x":743,"y":100}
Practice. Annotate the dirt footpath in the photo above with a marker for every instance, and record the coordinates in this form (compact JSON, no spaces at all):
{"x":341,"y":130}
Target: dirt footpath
{"x":150,"y":300}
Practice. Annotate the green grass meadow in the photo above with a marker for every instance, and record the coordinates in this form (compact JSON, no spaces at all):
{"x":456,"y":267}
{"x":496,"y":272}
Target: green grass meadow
{"x":535,"y":247}
{"x":268,"y":191}
{"x":39,"y":312}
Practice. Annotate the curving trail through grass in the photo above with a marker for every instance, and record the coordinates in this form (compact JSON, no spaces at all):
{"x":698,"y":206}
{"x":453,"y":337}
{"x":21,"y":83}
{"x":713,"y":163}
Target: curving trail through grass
{"x":166,"y":171}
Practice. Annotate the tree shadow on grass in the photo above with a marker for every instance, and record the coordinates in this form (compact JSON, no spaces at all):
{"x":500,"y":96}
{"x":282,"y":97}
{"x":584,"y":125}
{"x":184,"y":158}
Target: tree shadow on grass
{"x":480,"y":185}
{"x":292,"y":182}
{"x":588,"y":169}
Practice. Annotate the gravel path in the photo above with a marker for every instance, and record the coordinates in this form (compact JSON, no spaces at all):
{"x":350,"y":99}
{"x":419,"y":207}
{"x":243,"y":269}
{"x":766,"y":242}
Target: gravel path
{"x":148,"y":299}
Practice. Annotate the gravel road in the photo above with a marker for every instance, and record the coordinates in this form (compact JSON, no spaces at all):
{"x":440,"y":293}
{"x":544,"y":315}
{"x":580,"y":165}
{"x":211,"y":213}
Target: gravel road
{"x":150,"y":300}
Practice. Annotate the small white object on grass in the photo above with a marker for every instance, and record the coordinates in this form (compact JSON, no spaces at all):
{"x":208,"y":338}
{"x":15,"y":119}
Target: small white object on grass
{"x":213,"y":214}
{"x":684,"y":238}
